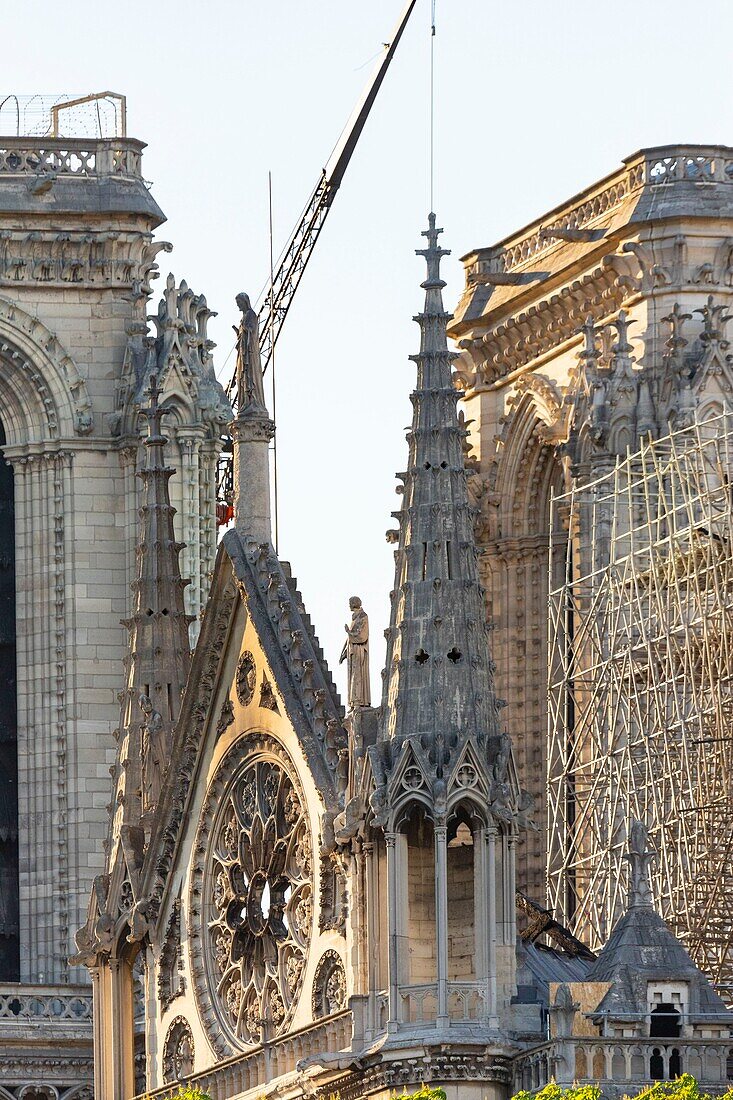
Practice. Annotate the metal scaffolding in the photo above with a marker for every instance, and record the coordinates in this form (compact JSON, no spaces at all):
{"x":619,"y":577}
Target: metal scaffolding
{"x":640,"y":690}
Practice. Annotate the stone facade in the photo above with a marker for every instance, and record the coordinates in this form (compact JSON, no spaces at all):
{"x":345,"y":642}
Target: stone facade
{"x":289,"y":894}
{"x":77,"y":257}
{"x":317,"y":904}
{"x":619,"y":275}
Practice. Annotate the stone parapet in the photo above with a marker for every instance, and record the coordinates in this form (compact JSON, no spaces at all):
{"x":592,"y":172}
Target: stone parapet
{"x":256,"y":1068}
{"x":42,"y":176}
{"x":620,"y":1066}
{"x":46,"y":1036}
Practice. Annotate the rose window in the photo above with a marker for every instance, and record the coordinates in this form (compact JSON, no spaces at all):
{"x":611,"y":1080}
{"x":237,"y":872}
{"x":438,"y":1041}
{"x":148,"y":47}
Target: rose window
{"x":260,"y":901}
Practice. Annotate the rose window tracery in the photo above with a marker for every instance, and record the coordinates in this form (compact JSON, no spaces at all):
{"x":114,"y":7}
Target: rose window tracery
{"x":260,"y":900}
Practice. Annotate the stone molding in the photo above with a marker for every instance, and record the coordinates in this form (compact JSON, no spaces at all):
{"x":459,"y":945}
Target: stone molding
{"x":539,"y":330}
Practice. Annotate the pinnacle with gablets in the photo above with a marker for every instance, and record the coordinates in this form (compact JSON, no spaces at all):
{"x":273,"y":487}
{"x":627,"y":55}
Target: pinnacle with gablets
{"x":159,"y":647}
{"x":437,"y":682}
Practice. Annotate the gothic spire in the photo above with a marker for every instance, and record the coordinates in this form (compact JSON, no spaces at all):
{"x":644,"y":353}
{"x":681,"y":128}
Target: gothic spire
{"x":252,"y":431}
{"x":438,"y":677}
{"x":159,"y":652}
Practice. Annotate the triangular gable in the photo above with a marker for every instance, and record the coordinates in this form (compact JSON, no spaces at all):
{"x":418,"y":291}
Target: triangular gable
{"x":289,"y":670}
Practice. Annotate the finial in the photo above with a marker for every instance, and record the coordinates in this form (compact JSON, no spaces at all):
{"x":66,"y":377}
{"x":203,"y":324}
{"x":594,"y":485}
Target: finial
{"x":639,"y":856}
{"x":590,"y":350}
{"x":154,"y":413}
{"x":622,"y":324}
{"x":715,"y":320}
{"x":676,"y":320}
{"x":433,"y":255}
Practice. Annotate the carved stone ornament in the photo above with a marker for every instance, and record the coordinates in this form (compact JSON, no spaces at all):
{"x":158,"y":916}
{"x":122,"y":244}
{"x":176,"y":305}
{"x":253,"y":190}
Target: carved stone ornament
{"x":226,"y":716}
{"x":329,"y":986}
{"x":171,"y":982}
{"x":246,"y":678}
{"x":267,"y":696}
{"x":178,"y":1051}
{"x":252,"y":928}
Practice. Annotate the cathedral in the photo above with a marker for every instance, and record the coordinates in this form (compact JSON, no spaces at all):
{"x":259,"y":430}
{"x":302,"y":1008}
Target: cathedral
{"x":215,"y":872}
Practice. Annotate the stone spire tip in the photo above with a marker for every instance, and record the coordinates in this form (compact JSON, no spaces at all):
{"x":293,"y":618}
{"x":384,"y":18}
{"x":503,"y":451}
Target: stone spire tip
{"x":433,"y":255}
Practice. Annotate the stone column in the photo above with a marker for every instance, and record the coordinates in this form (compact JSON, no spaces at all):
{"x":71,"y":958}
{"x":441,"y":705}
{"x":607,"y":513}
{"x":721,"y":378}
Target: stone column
{"x":101,"y":993}
{"x":120,"y":1035}
{"x":394,"y":1006}
{"x":481,"y":914}
{"x":490,"y":835}
{"x":189,"y":441}
{"x":251,"y":437}
{"x":441,"y":921}
{"x":372,"y":937}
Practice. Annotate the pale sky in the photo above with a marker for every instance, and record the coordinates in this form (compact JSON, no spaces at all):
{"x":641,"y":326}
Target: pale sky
{"x":535,"y":100}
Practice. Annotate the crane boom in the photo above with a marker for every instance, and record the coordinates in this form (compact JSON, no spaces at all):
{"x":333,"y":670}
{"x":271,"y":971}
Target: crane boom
{"x":299,"y":248}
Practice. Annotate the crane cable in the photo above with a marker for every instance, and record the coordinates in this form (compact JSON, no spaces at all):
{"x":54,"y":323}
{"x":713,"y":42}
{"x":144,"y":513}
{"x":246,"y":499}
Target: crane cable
{"x":432,"y":104}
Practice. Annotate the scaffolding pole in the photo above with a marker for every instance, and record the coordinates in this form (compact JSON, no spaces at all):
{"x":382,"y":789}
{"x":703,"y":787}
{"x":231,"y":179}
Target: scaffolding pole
{"x":641,"y":691}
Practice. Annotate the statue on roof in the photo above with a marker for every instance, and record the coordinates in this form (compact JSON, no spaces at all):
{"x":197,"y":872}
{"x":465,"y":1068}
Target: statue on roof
{"x":356,"y":652}
{"x":250,"y":390}
{"x":639,"y":856}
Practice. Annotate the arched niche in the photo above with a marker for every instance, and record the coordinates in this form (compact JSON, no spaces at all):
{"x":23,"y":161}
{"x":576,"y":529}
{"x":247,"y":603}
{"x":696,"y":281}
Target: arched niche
{"x":463,"y":839}
{"x":418,"y":849}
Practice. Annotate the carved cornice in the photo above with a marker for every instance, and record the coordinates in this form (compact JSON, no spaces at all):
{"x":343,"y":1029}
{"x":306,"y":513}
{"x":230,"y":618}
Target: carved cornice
{"x":538,"y":331}
{"x":439,"y":1064}
{"x":82,"y":258}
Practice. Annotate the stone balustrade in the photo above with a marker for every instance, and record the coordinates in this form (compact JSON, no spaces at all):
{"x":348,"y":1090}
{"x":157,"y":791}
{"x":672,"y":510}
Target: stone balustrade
{"x":35,"y":1002}
{"x":275,"y":1059}
{"x":662,"y":166}
{"x":466,"y":1002}
{"x":28,"y":1006}
{"x":27,"y":156}
{"x":631,"y":1062}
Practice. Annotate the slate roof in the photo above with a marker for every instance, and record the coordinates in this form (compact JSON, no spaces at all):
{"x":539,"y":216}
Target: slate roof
{"x":641,"y":948}
{"x":540,"y":964}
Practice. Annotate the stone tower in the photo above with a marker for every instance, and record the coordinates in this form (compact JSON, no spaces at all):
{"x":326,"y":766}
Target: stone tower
{"x":77,"y":257}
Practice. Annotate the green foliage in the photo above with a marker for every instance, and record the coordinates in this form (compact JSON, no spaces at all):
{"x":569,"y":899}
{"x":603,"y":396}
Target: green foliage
{"x":423,"y":1093}
{"x":684,"y":1087}
{"x":553,"y":1091}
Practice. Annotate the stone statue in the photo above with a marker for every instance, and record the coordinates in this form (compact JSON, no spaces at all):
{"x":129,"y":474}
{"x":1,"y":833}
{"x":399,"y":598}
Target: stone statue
{"x":356,"y":650}
{"x":153,"y":763}
{"x":251,"y":393}
{"x":639,"y":856}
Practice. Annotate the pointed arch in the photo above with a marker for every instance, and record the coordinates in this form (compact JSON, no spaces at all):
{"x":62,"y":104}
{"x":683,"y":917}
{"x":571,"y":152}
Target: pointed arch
{"x":527,"y":467}
{"x":42,"y":394}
